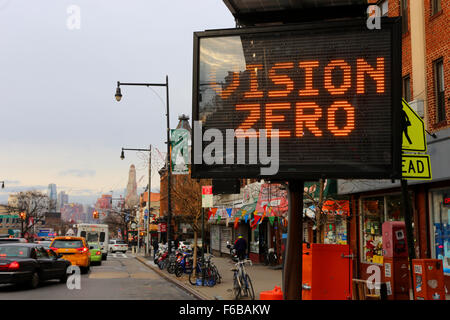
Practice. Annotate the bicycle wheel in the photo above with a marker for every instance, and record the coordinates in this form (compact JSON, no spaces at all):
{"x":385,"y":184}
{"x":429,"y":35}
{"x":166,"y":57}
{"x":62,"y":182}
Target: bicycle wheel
{"x":249,"y":287}
{"x":171,"y":268}
{"x":236,"y":287}
{"x":179,"y":270}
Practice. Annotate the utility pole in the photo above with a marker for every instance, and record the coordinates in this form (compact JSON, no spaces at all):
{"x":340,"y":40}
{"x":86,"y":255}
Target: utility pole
{"x":149,"y":196}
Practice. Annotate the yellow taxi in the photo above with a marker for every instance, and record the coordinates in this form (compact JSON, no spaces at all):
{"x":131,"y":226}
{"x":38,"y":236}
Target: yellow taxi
{"x":73,"y":249}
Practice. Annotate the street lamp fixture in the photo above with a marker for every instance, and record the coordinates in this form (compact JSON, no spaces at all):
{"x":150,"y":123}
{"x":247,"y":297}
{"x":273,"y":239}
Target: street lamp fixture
{"x":168,"y":163}
{"x":122,"y":156}
{"x":118,"y":92}
{"x":3,"y":184}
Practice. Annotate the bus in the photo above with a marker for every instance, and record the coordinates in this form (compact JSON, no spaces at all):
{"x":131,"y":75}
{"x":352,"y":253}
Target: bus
{"x":96,"y":233}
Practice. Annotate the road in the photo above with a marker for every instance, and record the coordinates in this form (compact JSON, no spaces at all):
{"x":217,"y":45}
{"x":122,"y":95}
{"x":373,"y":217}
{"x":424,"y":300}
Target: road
{"x":121,"y":277}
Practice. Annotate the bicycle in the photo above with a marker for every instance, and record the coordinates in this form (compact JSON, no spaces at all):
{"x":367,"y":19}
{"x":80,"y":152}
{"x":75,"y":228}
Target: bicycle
{"x":242,"y":284}
{"x":206,"y":269}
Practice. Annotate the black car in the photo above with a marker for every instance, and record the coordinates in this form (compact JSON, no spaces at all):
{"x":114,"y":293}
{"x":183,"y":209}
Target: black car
{"x":11,"y":240}
{"x":30,"y":263}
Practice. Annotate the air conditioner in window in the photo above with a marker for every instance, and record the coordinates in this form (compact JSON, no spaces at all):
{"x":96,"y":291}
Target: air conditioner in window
{"x":417,"y":106}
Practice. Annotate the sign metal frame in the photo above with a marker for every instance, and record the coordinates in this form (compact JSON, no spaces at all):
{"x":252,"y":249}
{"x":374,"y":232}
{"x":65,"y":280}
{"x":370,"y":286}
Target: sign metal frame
{"x":393,"y":171}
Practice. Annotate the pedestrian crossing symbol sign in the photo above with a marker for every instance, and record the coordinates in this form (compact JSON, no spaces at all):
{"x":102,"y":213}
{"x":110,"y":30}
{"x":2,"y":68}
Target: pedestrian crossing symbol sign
{"x":413,"y":130}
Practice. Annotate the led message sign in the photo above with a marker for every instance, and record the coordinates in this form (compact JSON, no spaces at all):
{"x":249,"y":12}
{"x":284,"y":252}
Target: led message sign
{"x":331,"y":90}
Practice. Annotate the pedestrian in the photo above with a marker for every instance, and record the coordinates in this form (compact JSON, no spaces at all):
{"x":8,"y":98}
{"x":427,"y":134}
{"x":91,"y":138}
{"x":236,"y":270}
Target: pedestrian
{"x":155,"y":248}
{"x":241,"y":247}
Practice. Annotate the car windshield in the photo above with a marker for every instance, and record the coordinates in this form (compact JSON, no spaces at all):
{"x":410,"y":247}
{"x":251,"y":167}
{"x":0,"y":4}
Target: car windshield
{"x":13,"y":251}
{"x":120,"y":242}
{"x":94,"y":246}
{"x":67,"y":244}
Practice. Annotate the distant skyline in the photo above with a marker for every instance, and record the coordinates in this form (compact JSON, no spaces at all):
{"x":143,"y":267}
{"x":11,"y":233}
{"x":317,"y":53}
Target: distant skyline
{"x":61,"y":123}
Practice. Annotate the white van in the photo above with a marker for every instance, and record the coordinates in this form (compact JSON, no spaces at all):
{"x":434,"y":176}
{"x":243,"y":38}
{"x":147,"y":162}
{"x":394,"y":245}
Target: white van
{"x":95,"y":233}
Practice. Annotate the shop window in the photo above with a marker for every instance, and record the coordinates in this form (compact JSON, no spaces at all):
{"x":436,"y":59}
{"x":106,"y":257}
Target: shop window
{"x":375,"y":211}
{"x":407,"y":88}
{"x":254,"y":243}
{"x":439,"y":89}
{"x":436,"y":6}
{"x":404,"y":9}
{"x":440,"y":219}
{"x":372,"y":210}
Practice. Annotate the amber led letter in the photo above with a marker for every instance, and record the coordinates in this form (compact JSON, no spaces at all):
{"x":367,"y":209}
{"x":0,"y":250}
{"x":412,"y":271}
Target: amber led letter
{"x":307,"y":120}
{"x":281,"y":79}
{"x":255,"y":114}
{"x":377,"y":74}
{"x":271,"y":118}
{"x":254,"y":92}
{"x":347,"y":83}
{"x":331,"y":121}
{"x":309,"y":90}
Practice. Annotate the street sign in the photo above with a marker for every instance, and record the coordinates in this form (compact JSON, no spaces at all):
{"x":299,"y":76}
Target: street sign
{"x":413,"y":130}
{"x":207,"y":197}
{"x":416,"y":167}
{"x":330,"y":88}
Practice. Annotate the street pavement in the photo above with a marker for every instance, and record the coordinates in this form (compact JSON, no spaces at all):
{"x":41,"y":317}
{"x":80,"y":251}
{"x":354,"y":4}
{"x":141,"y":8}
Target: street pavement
{"x":263,"y":278}
{"x":121,"y":277}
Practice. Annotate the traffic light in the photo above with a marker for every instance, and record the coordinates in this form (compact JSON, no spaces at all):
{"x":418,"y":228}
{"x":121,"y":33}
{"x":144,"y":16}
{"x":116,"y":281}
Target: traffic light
{"x":95,"y":214}
{"x":23,"y":215}
{"x":141,"y":234}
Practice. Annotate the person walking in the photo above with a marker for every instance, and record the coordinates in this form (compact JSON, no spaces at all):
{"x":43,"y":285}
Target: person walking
{"x":155,"y":248}
{"x":241,"y":247}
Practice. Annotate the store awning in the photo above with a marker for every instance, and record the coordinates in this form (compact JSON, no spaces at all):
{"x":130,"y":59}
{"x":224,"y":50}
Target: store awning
{"x":246,"y":209}
{"x":313,"y":188}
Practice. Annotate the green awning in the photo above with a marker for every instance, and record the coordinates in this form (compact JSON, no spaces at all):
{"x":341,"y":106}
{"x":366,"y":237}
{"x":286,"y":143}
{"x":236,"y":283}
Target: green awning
{"x":329,"y":191}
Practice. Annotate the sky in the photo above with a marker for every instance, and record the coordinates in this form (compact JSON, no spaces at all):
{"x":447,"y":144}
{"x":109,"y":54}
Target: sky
{"x":60,"y":61}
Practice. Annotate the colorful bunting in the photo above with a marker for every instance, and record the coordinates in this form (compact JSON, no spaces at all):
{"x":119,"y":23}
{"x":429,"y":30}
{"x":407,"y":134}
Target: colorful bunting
{"x":229,"y":211}
{"x":271,"y":220}
{"x":218,"y":217}
{"x":214,"y":210}
{"x":209,"y":214}
{"x":246,"y":217}
{"x":236,"y":223}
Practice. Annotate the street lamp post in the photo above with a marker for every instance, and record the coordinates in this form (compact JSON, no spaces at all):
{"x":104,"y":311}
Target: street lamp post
{"x":122,"y":156}
{"x":118,"y":96}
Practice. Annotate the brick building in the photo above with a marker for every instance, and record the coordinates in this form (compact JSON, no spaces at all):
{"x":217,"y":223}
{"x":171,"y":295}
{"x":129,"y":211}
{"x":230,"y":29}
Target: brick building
{"x":425,"y":84}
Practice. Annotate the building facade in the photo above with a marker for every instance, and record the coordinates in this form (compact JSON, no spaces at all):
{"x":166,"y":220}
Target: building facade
{"x":425,"y":78}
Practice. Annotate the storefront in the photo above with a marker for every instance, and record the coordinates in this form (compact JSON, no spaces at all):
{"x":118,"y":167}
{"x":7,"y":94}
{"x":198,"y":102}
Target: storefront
{"x":439,"y":225}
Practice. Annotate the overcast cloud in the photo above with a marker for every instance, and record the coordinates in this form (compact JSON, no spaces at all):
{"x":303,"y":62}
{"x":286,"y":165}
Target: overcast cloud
{"x":60,"y":121}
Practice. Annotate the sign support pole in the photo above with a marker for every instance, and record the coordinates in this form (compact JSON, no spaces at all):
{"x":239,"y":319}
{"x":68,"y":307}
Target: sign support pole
{"x":293,"y":266}
{"x":407,"y":212}
{"x":203,"y":246}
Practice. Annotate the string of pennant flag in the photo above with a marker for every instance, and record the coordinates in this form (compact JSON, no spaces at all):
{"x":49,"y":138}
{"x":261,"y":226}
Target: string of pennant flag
{"x":253,"y":217}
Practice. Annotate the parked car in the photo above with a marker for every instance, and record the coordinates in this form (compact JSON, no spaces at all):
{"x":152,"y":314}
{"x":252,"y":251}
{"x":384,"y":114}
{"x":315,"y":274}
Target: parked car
{"x":117,"y":245}
{"x":44,"y":243}
{"x":12,"y":240}
{"x":29,"y":263}
{"x":96,"y":253}
{"x":75,"y":250}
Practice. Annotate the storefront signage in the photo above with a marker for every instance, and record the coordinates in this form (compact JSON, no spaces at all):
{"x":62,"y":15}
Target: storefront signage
{"x":331,"y":89}
{"x":207,"y":197}
{"x":162,"y":227}
{"x":416,"y":167}
{"x":447,"y":200}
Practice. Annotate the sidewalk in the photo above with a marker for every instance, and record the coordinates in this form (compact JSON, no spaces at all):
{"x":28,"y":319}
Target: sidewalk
{"x":263,"y":278}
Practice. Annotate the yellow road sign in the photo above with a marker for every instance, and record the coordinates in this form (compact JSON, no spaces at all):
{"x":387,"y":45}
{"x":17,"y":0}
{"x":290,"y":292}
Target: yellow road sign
{"x":416,"y":167}
{"x":413,"y":130}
